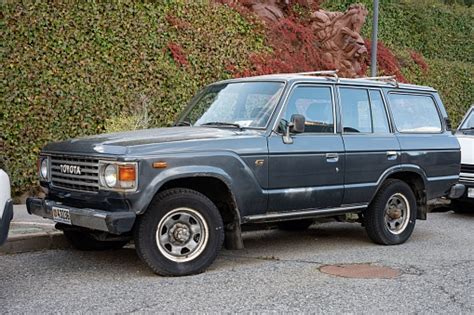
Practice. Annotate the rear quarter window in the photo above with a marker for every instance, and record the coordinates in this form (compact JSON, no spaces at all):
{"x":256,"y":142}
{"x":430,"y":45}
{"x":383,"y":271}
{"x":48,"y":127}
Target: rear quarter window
{"x":414,"y":113}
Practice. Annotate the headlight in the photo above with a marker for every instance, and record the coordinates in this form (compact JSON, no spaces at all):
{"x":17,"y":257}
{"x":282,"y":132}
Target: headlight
{"x":120,"y":176}
{"x":110,"y":175}
{"x":44,"y":168}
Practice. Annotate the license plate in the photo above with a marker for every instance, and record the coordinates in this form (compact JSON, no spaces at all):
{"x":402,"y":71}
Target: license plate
{"x":470,"y":192}
{"x":61,"y":215}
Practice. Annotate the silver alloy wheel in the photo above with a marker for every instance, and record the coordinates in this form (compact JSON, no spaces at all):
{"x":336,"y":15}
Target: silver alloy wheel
{"x":182,"y":234}
{"x":397,"y":213}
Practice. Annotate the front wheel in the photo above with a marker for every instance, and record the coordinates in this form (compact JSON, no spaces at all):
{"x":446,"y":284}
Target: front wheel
{"x":390,"y":218}
{"x":180,"y":233}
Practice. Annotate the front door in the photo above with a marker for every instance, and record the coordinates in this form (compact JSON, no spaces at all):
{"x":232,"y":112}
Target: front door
{"x":371,"y":146}
{"x":309,"y":172}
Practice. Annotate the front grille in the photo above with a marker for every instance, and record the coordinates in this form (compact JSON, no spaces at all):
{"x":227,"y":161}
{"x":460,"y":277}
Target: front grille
{"x":467,"y":173}
{"x":65,"y":173}
{"x":466,"y":168}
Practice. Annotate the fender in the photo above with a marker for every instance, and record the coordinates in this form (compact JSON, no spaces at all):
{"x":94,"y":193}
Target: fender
{"x":398,"y":169}
{"x":181,"y":172}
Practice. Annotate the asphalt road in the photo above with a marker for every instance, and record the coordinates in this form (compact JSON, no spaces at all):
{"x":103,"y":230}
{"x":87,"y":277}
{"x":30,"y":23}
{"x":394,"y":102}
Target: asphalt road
{"x":278,"y":271}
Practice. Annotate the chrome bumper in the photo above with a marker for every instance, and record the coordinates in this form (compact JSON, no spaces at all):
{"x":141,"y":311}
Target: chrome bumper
{"x":112,"y":222}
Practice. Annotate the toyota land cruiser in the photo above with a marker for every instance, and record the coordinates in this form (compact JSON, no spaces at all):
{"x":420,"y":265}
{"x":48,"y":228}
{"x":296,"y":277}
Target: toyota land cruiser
{"x":283,"y":148}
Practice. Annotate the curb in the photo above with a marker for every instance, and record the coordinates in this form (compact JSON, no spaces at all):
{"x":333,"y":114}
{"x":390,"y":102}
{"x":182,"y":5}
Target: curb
{"x":34,"y":242}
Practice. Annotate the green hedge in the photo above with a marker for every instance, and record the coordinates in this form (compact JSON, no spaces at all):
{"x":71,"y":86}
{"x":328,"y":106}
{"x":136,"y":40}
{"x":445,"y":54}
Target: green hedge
{"x":68,"y":66}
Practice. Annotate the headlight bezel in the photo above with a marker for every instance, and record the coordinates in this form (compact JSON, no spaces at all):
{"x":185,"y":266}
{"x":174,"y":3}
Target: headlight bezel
{"x":120,"y":185}
{"x":44,"y":160}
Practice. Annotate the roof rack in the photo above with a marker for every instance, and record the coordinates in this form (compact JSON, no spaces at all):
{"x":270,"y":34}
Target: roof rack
{"x":332,"y":73}
{"x":389,"y":79}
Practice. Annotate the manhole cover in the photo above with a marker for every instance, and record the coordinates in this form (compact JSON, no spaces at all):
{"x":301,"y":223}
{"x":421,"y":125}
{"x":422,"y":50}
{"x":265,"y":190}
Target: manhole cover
{"x":363,"y":271}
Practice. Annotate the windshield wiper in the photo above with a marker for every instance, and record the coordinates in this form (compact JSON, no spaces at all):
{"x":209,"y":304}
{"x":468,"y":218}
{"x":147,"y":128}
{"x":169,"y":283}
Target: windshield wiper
{"x":465,"y":129}
{"x":221,"y":123}
{"x":182,"y":123}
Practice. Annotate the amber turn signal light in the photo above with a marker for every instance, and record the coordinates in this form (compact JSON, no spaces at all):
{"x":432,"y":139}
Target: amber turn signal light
{"x":127,"y":173}
{"x":160,"y":164}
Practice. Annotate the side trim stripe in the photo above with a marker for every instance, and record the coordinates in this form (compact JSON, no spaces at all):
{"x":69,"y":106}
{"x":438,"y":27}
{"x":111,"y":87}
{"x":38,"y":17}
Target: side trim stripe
{"x":300,"y":214}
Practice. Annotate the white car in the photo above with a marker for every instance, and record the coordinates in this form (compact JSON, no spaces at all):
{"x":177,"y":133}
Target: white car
{"x":6,"y":206}
{"x":465,"y":135}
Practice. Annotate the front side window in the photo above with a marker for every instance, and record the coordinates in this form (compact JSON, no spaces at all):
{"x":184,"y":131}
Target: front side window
{"x":243,"y":104}
{"x":414,"y":113}
{"x":315,"y":104}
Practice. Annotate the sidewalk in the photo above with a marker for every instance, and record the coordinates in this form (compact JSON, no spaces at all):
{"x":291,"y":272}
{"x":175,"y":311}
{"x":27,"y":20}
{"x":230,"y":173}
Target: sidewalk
{"x":31,"y":233}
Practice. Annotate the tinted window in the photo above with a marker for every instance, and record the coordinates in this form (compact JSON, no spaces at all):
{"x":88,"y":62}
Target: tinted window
{"x":379,"y":115}
{"x":315,"y":103}
{"x":356,"y":115}
{"x":414,"y":113}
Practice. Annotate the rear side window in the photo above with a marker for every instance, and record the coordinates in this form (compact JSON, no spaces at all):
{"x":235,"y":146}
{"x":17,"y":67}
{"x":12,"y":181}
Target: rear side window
{"x":363,"y":111}
{"x":379,"y":116}
{"x":414,"y":113}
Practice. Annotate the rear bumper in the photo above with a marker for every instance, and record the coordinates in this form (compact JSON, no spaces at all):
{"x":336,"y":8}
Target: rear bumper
{"x":112,"y":222}
{"x":5,"y":221}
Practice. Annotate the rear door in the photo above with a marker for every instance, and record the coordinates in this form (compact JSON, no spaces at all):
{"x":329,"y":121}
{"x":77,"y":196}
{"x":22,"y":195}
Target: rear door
{"x":307,"y":173}
{"x":371,"y":146}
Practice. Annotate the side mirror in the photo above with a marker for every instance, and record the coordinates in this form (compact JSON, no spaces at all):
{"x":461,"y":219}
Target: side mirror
{"x":296,"y":125}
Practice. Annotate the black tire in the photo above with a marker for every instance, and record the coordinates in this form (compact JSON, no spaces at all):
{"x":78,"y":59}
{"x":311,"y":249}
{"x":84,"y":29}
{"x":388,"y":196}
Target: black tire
{"x":157,"y":254}
{"x":295,"y":225}
{"x":84,"y":241}
{"x":375,"y":216}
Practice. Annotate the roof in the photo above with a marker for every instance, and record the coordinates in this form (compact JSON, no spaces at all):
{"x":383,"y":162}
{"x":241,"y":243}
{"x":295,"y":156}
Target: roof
{"x":331,"y":77}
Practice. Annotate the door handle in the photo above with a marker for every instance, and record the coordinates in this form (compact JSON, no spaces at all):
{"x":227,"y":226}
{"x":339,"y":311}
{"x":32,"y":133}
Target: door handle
{"x":392,"y":155}
{"x":332,"y":157}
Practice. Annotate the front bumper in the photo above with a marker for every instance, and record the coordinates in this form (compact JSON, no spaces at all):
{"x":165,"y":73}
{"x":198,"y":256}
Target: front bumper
{"x":112,"y":222}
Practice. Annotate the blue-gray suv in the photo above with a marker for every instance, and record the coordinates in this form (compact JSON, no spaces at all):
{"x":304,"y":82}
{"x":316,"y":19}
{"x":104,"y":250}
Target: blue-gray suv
{"x":284,"y":148}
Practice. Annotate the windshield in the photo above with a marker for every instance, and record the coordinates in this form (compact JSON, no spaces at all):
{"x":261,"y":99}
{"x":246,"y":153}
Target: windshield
{"x":468,"y":123}
{"x":242,"y":104}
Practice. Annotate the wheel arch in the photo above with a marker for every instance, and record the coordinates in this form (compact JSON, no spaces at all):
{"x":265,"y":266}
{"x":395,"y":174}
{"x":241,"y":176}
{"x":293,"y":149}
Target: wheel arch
{"x":416,"y":178}
{"x":216,"y":186}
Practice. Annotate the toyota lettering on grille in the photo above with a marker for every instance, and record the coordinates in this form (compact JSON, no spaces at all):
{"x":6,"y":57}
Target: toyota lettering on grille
{"x":70,"y":169}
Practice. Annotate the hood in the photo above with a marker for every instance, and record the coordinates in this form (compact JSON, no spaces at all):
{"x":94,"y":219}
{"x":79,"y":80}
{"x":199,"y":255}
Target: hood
{"x":467,"y":148}
{"x":118,"y":143}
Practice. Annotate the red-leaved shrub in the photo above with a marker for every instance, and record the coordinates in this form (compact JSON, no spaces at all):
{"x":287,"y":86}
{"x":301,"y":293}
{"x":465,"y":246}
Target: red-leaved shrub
{"x":419,"y":60}
{"x":387,"y":63}
{"x":178,"y":54}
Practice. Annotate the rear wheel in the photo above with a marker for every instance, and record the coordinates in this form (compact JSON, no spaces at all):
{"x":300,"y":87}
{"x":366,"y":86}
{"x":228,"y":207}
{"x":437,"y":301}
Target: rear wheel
{"x":180,"y":233}
{"x":390,"y":218}
{"x":85,"y":241}
{"x":295,"y":225}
